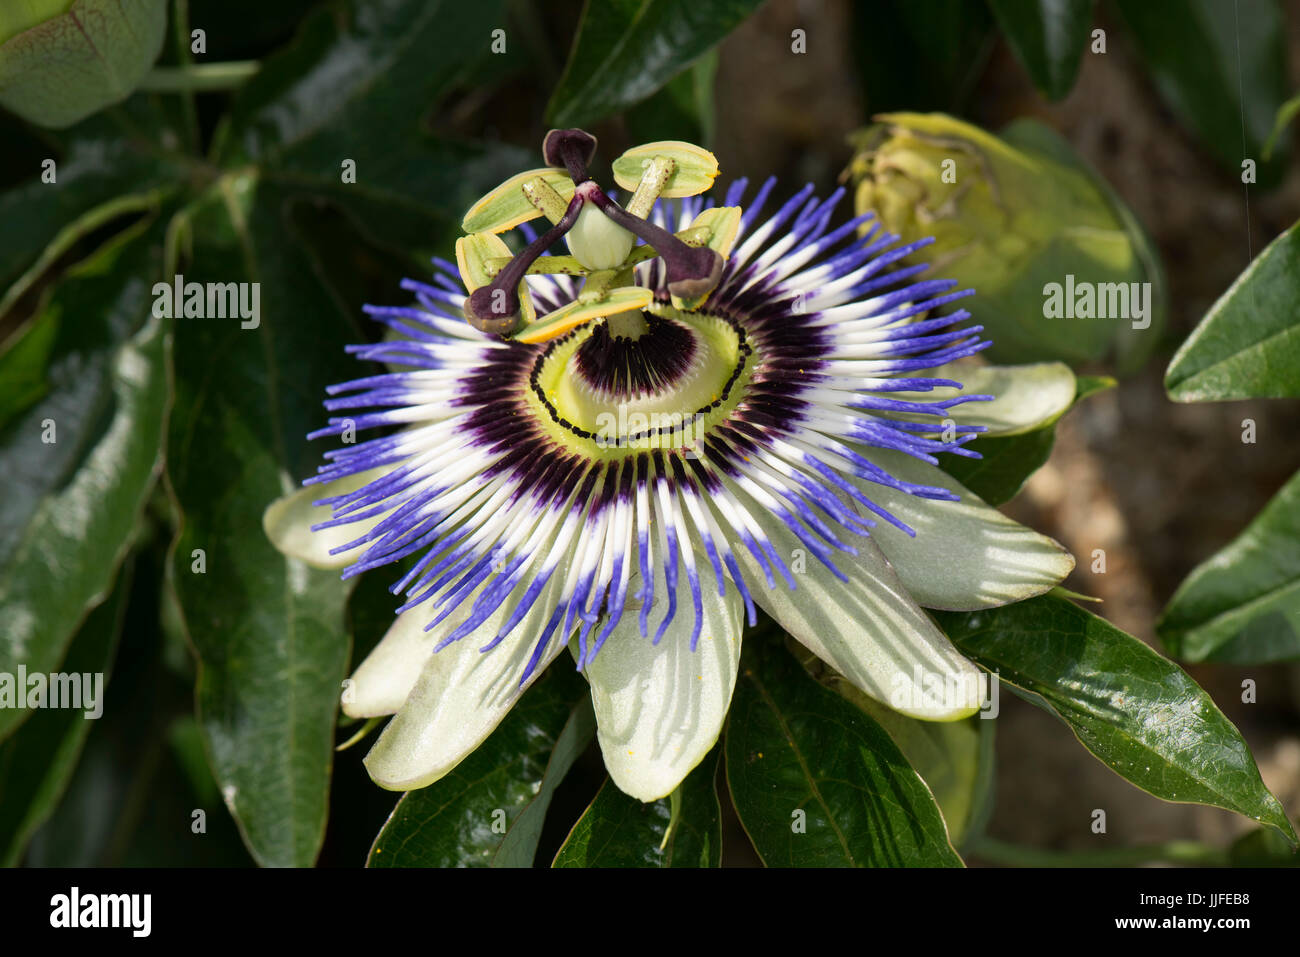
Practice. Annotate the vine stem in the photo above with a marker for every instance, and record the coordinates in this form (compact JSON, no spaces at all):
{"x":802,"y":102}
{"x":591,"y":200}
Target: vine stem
{"x":199,"y":78}
{"x":1170,"y":852}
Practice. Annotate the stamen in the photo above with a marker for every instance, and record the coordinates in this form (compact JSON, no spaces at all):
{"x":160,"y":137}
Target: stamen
{"x":494,"y":308}
{"x":692,"y":271}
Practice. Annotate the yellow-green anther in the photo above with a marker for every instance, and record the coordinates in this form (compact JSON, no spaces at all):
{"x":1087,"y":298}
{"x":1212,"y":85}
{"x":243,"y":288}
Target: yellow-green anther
{"x":544,"y":197}
{"x":506,"y":206}
{"x":694,"y":168}
{"x":543,"y":266}
{"x":695,"y":235}
{"x":652,"y":184}
{"x":569,"y":317}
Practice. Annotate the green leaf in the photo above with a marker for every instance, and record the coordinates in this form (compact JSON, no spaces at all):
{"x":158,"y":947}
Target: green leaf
{"x":1008,"y":460}
{"x":946,"y":754}
{"x":1242,"y":605}
{"x":818,"y":783}
{"x":620,"y":831}
{"x":79,"y":463}
{"x":1047,"y":37}
{"x":1137,"y":712}
{"x":489,"y":810}
{"x":519,"y":846}
{"x":954,"y":758}
{"x":101,"y":177}
{"x":133,"y":798}
{"x":37,"y":762}
{"x":1263,"y":847}
{"x":351,"y":91}
{"x":625,"y":50}
{"x":920,"y":54}
{"x":1285,"y":114}
{"x":682,"y":110}
{"x":1221,"y":66}
{"x":1005,"y":466}
{"x":268,"y":630}
{"x":24,"y":367}
{"x":1248,"y":344}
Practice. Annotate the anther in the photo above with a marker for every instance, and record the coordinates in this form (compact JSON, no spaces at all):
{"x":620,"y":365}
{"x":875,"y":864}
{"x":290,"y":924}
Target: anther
{"x":494,"y":308}
{"x":692,"y":271}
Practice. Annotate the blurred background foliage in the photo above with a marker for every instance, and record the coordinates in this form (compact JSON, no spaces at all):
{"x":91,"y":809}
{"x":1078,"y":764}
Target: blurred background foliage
{"x":1152,"y":109}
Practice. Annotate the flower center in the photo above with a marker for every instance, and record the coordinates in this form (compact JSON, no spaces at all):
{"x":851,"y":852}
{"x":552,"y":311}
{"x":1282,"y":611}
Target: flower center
{"x":653,"y":380}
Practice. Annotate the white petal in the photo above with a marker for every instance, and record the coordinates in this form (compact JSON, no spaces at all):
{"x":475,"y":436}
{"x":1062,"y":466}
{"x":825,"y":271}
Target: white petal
{"x":966,"y":555}
{"x":461,"y":695}
{"x":660,"y":708}
{"x":867,"y":628}
{"x":288,"y":520}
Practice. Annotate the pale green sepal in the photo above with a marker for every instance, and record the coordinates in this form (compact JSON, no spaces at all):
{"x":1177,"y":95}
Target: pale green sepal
{"x":288,"y":520}
{"x":965,"y":555}
{"x":1025,"y":397}
{"x":461,"y":695}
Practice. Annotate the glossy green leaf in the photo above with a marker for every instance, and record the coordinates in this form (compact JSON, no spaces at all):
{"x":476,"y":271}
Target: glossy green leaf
{"x":489,"y":810}
{"x":79,"y":463}
{"x":1005,"y":465}
{"x":1243,"y":604}
{"x":133,"y":798}
{"x":620,"y":831}
{"x":268,"y":630}
{"x":625,"y":50}
{"x":1221,"y":66}
{"x":1048,"y":38}
{"x":1008,"y":460}
{"x":946,"y":754}
{"x":24,"y":367}
{"x":1248,"y":344}
{"x":1137,"y":712}
{"x":37,"y":762}
{"x":682,"y":110}
{"x":817,"y":782}
{"x":1263,"y":847}
{"x":954,"y":758}
{"x":99,"y":177}
{"x":348,"y":96}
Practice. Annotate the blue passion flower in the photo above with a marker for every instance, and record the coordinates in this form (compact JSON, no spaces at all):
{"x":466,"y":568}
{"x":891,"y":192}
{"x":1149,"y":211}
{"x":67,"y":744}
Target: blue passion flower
{"x":628,"y":450}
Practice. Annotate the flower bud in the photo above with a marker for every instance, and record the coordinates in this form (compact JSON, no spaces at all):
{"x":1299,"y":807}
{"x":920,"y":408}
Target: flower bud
{"x":60,"y":61}
{"x":1060,"y":267}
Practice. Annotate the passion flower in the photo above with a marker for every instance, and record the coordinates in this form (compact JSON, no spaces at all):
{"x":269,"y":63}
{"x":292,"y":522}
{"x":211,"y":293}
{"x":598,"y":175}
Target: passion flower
{"x":629,"y":449}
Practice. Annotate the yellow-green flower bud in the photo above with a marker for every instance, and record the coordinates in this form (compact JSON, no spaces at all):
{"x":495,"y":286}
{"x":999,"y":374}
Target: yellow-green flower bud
{"x":1060,"y":267}
{"x":61,"y":60}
